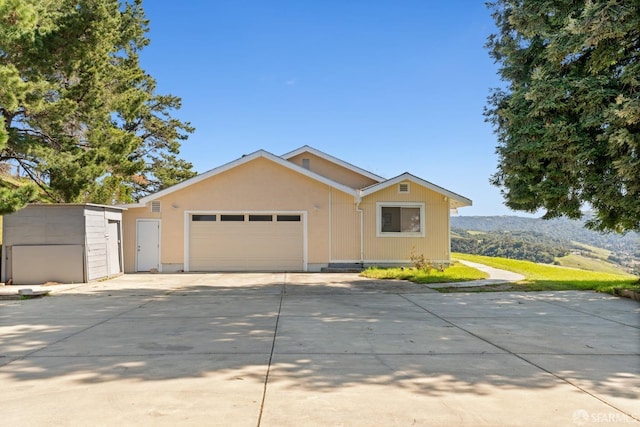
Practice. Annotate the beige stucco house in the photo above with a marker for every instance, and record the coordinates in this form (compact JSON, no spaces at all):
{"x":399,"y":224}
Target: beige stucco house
{"x":301,"y":211}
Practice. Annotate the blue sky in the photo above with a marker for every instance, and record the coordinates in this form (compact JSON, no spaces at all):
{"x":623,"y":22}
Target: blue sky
{"x":390,"y":86}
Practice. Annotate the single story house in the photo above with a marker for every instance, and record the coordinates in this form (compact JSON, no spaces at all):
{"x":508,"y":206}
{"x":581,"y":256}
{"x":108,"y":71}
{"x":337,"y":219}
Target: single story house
{"x":302,"y":211}
{"x":65,"y":243}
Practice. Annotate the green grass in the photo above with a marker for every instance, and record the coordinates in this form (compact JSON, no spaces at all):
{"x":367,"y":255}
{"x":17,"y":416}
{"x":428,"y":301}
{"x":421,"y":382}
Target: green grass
{"x":456,"y":273}
{"x":543,"y":277}
{"x":538,"y":277}
{"x":591,"y":264}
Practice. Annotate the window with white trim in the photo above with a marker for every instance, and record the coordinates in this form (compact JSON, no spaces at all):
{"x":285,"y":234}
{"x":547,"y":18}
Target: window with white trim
{"x":400,"y":219}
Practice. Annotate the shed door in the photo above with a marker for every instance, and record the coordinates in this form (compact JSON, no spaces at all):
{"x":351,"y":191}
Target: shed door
{"x":113,"y":247}
{"x":148,"y":242}
{"x":246,"y":242}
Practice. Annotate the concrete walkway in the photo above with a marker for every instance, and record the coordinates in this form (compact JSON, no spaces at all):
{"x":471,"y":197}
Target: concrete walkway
{"x":316,"y":350}
{"x":496,"y":277}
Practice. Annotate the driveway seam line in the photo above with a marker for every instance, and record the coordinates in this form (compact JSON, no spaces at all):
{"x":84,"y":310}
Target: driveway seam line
{"x":584,"y":312}
{"x":31,"y":353}
{"x":522,"y":358}
{"x":273,"y":346}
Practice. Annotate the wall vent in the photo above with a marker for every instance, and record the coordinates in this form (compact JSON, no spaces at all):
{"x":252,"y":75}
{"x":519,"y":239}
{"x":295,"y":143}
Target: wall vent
{"x":155,"y":206}
{"x":403,"y":187}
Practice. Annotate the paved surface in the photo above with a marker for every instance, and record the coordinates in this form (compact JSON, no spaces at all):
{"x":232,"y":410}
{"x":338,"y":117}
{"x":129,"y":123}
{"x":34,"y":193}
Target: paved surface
{"x":496,"y":276}
{"x":315,"y":350}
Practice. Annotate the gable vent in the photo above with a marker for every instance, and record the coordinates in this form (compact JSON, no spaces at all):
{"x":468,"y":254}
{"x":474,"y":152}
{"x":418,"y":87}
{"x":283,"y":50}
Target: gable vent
{"x":403,"y":187}
{"x":155,"y":206}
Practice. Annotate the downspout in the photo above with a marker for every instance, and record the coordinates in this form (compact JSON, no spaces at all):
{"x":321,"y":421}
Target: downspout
{"x":358,"y":200}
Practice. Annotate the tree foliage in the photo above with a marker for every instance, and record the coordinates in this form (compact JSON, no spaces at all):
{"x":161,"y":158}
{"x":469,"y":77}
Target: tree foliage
{"x":568,"y":117}
{"x":78,"y":115}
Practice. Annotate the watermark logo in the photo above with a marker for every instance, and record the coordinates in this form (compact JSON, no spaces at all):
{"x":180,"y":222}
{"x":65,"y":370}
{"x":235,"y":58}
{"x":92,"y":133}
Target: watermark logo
{"x":580,"y":417}
{"x":583,"y":418}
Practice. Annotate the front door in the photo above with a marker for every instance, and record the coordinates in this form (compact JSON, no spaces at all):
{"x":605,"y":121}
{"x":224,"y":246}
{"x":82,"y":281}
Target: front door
{"x":148,"y":245}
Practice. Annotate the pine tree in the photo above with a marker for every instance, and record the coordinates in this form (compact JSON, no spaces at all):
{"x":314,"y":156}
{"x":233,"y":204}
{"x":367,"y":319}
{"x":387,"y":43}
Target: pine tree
{"x":79,"y":117}
{"x":568,"y":118}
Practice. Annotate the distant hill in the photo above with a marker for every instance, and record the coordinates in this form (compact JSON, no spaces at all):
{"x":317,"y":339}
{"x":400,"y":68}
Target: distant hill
{"x":541,"y":240}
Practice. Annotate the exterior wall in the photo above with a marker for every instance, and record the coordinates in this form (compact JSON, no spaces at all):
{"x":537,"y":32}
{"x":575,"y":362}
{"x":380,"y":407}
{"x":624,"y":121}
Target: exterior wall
{"x":258,"y":185}
{"x":129,"y":233}
{"x":41,"y":235}
{"x":345,"y":228}
{"x":333,"y":222}
{"x":333,"y":171}
{"x":41,"y":225}
{"x":45,"y":225}
{"x":38,"y":264}
{"x":435,"y":245}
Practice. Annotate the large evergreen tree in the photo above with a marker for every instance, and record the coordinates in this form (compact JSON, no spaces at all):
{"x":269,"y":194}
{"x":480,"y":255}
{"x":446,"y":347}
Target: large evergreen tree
{"x":568,"y":117}
{"x":78,"y":116}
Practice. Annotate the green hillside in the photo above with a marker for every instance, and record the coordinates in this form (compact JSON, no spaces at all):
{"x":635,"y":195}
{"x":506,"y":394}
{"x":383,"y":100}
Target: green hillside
{"x":542,"y":277}
{"x":591,"y":264}
{"x":559,"y":241}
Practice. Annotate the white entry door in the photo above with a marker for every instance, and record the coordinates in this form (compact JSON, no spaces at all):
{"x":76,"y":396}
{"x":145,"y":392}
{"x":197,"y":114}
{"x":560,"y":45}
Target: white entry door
{"x":148,"y":245}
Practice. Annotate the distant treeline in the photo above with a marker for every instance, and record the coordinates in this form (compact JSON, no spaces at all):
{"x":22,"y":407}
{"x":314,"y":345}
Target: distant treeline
{"x":559,"y":228}
{"x":529,"y":246}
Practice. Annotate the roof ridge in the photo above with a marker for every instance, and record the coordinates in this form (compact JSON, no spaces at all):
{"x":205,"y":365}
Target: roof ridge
{"x":244,"y":159}
{"x":335,"y":160}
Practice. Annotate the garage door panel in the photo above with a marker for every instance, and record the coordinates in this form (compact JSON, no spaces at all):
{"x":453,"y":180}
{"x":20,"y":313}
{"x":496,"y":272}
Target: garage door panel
{"x":246,"y":246}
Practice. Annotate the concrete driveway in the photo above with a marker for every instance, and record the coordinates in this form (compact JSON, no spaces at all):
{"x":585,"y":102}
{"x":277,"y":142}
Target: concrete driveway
{"x":315,"y":350}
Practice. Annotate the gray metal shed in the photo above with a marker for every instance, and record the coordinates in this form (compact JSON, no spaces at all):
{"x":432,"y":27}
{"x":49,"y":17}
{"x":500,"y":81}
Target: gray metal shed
{"x":64,"y":243}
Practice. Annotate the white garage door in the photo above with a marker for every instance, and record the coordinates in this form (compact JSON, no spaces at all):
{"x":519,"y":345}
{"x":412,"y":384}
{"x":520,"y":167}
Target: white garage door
{"x":246,"y":242}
